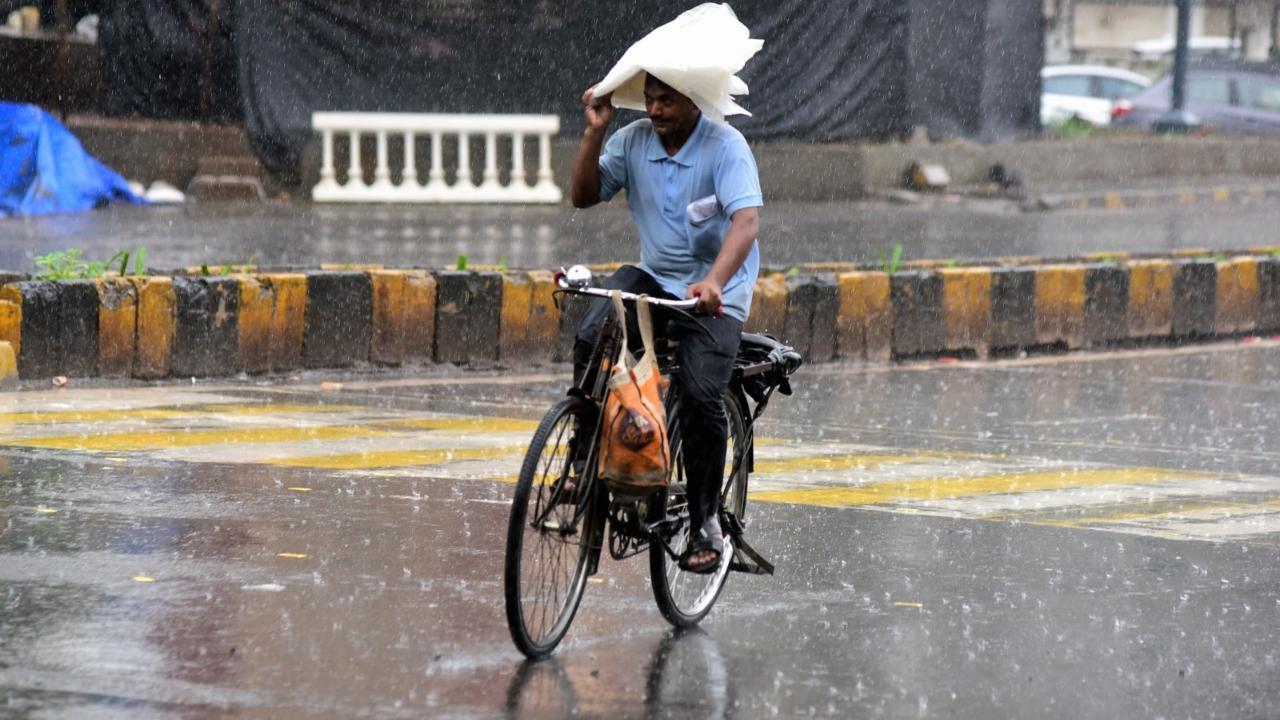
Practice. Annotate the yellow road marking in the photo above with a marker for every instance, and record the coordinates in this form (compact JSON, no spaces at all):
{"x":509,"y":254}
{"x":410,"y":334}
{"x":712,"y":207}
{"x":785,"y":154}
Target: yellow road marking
{"x":88,"y":416}
{"x":299,"y":489}
{"x":160,"y":439}
{"x":468,"y":424}
{"x":393,"y":458}
{"x":896,"y":491}
{"x":909,"y":605}
{"x":292,"y":556}
{"x":1167,"y":511}
{"x":852,"y":461}
{"x":143,"y":579}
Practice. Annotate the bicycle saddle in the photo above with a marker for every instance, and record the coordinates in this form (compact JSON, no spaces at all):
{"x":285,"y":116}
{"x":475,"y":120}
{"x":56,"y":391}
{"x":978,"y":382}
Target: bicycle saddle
{"x":764,"y":348}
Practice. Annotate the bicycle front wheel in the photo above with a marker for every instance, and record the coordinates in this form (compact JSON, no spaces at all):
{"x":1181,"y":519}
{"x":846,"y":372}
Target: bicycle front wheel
{"x":550,"y":531}
{"x":685,"y":598}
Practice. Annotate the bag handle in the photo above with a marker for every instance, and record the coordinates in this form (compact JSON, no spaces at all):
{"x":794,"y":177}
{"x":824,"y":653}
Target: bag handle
{"x":643,"y":318}
{"x":621,"y":310}
{"x":645,"y":321}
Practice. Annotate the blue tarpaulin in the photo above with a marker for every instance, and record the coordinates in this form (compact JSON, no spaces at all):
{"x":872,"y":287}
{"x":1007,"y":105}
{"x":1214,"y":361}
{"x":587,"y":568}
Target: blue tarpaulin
{"x":44,"y":169}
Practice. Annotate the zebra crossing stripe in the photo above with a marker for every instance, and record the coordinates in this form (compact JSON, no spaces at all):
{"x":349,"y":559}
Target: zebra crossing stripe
{"x":895,"y":492}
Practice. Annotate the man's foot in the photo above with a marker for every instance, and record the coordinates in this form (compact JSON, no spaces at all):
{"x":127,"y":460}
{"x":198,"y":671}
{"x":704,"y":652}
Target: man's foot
{"x":705,"y":549}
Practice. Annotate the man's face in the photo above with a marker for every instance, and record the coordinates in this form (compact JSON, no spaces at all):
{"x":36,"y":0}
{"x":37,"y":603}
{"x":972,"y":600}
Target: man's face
{"x":672,"y":114}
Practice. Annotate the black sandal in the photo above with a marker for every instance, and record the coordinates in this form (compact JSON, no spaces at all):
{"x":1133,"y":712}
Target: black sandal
{"x":709,"y":539}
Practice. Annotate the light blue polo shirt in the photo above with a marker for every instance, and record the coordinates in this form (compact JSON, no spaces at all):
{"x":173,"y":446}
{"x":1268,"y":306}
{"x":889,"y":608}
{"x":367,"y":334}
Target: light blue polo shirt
{"x":715,"y":172}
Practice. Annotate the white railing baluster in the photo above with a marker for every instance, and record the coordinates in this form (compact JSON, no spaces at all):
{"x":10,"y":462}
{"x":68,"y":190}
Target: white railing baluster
{"x":437,"y":188}
{"x":546,"y":188}
{"x":490,"y":187}
{"x":355,"y":173}
{"x":410,"y":177}
{"x":517,"y":162}
{"x":328,"y":176}
{"x":464,"y":161}
{"x":382,"y":173}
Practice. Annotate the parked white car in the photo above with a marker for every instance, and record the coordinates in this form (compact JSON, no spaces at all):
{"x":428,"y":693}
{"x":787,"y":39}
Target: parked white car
{"x":1087,"y":92}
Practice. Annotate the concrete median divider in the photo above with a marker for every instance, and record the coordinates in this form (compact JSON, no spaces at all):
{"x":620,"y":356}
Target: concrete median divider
{"x":809,"y":324}
{"x":117,"y":326}
{"x":1236,"y":296}
{"x":206,"y":337}
{"x":864,"y":323}
{"x":1268,"y":294}
{"x":271,"y":328}
{"x":198,"y":325}
{"x":1106,"y":303}
{"x":156,"y":327}
{"x":404,"y":316}
{"x":768,"y":313}
{"x":1013,"y":307}
{"x":919,"y":326}
{"x":530,"y":321}
{"x":468,"y":317}
{"x":1195,"y":293}
{"x":1059,"y":309}
{"x":966,"y":309}
{"x":39,"y":347}
{"x":1150,"y":308}
{"x":338,"y":329}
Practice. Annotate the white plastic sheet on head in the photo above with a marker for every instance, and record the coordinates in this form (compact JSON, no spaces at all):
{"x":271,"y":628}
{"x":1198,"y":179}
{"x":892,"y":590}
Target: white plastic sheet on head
{"x":697,"y":54}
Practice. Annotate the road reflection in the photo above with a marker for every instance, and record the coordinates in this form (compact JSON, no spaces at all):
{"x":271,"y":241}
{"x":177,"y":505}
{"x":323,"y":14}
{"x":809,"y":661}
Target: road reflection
{"x":686,"y":676}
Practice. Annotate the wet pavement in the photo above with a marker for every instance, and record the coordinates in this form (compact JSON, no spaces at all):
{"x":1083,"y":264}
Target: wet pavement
{"x":1083,"y":536}
{"x":547,"y":237}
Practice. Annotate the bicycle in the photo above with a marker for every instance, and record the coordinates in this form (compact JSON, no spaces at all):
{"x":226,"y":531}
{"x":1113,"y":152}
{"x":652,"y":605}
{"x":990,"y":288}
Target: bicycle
{"x":568,"y":515}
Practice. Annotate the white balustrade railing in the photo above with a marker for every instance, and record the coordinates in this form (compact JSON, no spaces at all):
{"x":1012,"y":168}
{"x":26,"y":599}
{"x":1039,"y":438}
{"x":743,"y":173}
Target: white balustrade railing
{"x":433,"y":128}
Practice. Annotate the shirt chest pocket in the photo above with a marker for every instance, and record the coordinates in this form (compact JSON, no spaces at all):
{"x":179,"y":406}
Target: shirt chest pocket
{"x":703,"y":228}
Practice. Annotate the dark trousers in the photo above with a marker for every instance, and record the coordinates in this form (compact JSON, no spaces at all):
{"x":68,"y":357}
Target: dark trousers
{"x":706,"y":363}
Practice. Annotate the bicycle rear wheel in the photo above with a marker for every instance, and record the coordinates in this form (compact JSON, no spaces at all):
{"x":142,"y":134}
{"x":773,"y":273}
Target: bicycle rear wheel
{"x":685,"y":598}
{"x":550,"y":532}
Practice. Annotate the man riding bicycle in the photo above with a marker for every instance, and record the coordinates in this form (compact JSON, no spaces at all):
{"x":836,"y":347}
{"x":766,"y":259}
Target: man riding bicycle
{"x":694,"y":193}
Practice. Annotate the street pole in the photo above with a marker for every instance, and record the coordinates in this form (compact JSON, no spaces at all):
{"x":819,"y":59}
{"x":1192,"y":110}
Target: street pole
{"x":1179,"y":119}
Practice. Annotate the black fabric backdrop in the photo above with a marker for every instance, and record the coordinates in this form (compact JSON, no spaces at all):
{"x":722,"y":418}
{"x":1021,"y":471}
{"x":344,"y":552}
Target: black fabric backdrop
{"x":830,"y":70}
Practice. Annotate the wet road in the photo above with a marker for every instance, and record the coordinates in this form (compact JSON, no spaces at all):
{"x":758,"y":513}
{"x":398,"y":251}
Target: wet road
{"x":546,"y":237}
{"x":1090,"y":536}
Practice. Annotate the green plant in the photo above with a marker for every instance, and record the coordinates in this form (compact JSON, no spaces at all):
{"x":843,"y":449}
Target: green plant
{"x":502,"y":263}
{"x":894,"y":262}
{"x":67,"y":265}
{"x":951,"y":264}
{"x":793,"y":271}
{"x":140,"y":261}
{"x":204,"y":270}
{"x":1073,"y":127}
{"x":462,"y":262}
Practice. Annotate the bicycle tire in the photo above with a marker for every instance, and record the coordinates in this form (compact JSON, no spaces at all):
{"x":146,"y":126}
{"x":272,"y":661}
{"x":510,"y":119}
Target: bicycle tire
{"x":685,"y":598}
{"x":543,"y":589}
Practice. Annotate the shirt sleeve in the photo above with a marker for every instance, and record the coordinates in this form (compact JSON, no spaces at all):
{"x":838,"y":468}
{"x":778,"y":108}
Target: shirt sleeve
{"x":737,"y":180}
{"x":613,"y":165}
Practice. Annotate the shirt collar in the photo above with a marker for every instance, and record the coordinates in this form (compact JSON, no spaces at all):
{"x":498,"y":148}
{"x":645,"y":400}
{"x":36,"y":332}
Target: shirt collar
{"x":686,"y":153}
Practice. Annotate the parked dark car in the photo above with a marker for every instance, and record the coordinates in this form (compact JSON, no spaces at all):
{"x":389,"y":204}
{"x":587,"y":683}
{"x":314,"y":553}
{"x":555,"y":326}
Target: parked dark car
{"x":1226,"y":98}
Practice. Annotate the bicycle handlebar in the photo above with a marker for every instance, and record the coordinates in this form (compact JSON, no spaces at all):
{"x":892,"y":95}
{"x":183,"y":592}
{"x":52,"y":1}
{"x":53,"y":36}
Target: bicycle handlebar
{"x":577,"y":279}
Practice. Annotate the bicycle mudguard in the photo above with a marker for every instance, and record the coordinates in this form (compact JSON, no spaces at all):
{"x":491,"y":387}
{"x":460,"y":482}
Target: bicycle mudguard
{"x":757,"y":565}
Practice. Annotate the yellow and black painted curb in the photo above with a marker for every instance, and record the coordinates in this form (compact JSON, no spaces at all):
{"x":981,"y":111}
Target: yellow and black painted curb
{"x":1132,"y":199}
{"x":155,"y":327}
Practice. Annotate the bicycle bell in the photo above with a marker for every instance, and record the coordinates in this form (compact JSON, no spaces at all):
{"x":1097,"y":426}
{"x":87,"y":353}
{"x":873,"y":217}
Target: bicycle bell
{"x":578,"y":276}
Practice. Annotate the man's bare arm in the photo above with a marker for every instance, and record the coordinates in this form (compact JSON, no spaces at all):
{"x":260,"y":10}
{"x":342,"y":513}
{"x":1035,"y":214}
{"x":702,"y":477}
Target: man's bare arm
{"x":733,"y":253}
{"x":584,"y":186}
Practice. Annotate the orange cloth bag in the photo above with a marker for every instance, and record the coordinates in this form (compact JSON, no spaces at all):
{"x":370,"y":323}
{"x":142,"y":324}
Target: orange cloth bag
{"x":635,"y":458}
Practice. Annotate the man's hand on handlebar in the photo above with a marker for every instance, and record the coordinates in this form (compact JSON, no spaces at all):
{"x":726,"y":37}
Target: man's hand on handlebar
{"x":710,"y":297}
